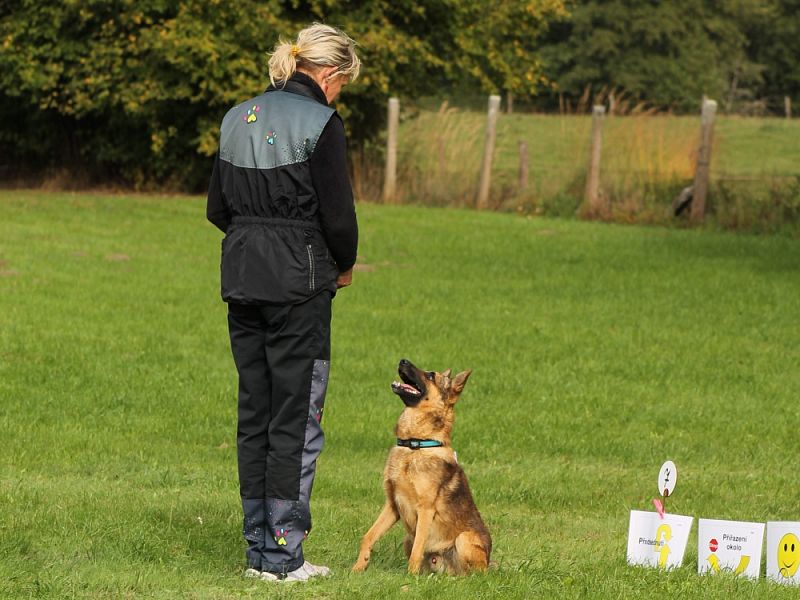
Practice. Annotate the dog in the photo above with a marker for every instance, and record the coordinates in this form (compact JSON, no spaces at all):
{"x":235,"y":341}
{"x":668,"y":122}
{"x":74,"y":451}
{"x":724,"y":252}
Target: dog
{"x":424,"y":484}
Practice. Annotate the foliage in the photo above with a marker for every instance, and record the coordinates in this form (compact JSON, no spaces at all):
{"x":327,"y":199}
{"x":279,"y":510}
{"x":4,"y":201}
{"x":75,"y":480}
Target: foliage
{"x":133,"y":87}
{"x":774,"y":43}
{"x":667,"y":54}
{"x":499,"y":48}
{"x":135,"y":90}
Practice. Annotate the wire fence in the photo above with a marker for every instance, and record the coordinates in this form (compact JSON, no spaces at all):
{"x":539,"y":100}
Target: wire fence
{"x":540,"y":164}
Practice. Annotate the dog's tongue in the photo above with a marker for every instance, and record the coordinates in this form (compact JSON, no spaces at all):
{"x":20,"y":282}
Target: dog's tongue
{"x":407,"y":388}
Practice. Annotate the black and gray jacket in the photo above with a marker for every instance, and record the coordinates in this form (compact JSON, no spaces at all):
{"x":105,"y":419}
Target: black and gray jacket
{"x":280,"y":192}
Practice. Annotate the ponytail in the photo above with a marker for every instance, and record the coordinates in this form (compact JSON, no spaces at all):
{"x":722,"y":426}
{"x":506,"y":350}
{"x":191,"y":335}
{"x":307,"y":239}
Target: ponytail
{"x":317,"y":46}
{"x":283,"y":62}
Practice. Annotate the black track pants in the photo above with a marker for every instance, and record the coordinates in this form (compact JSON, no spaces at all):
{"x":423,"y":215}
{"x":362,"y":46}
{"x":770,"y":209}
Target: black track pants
{"x":282,"y":354}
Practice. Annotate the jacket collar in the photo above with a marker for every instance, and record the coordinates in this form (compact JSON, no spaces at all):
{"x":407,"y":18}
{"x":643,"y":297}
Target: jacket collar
{"x":302,"y":84}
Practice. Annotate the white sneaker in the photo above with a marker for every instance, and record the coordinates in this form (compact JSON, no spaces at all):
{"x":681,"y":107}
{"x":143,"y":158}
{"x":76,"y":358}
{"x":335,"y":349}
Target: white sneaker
{"x":299,"y":574}
{"x":302,"y":573}
{"x":256,"y":574}
{"x":316,"y":570}
{"x":306,"y":571}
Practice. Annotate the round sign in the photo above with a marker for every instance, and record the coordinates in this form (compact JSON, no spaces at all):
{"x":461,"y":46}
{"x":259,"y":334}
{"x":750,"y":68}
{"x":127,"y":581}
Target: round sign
{"x":712,"y":545}
{"x":667,"y":477}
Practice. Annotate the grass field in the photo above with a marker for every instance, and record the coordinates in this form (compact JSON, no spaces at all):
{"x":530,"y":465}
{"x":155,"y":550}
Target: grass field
{"x":599,"y":351}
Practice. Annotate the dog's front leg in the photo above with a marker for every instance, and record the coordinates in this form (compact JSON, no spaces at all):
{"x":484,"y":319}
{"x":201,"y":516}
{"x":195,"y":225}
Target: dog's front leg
{"x":383,"y":523}
{"x":424,"y":520}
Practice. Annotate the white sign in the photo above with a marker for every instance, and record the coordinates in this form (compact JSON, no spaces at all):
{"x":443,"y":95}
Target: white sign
{"x":657,"y":542}
{"x":783,"y":552}
{"x":733,"y":546}
{"x":667,"y":478}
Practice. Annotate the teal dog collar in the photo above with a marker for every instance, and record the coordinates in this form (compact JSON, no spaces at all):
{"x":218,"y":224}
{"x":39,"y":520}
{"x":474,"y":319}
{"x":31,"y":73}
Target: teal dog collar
{"x":416,"y":444}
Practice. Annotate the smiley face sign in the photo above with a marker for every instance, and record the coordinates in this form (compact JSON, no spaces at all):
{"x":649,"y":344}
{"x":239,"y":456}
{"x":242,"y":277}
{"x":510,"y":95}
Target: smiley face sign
{"x":788,"y":555}
{"x":783,"y":552}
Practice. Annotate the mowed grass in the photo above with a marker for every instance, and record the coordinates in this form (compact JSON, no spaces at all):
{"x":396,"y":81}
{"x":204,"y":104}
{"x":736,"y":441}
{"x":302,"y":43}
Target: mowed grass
{"x":599,"y":351}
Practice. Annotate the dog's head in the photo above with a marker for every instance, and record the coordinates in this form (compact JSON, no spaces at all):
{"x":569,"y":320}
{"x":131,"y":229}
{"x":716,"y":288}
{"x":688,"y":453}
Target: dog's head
{"x":416,"y":385}
{"x":429,"y":398}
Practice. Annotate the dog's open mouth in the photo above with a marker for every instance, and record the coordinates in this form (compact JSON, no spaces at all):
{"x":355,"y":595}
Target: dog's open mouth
{"x":410,"y":388}
{"x":403,"y":387}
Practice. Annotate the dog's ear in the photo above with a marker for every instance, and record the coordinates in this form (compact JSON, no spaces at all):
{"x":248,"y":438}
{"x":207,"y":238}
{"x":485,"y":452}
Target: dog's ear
{"x":446,"y":374}
{"x":460,"y":381}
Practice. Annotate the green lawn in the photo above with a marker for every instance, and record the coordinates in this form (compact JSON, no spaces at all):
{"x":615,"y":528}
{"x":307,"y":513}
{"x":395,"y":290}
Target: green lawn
{"x":599,"y":351}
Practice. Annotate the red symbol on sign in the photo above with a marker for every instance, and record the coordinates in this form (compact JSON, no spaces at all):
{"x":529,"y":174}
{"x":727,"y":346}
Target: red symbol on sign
{"x":712,"y":545}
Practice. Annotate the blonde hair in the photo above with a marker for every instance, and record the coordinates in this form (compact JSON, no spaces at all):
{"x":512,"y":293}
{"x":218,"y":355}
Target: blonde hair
{"x":316,"y":47}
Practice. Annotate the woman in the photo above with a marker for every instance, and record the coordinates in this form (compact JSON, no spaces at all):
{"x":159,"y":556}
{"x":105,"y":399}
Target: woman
{"x":280,"y":192}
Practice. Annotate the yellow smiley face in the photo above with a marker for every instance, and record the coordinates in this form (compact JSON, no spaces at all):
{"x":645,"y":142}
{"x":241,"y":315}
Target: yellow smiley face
{"x":788,"y":555}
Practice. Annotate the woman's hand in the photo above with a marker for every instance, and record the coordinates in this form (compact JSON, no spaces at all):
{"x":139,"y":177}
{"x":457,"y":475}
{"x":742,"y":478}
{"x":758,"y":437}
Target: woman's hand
{"x":345,"y":278}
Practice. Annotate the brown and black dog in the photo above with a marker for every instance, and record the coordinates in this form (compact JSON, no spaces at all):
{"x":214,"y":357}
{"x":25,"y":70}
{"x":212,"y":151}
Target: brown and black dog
{"x":425,"y":487}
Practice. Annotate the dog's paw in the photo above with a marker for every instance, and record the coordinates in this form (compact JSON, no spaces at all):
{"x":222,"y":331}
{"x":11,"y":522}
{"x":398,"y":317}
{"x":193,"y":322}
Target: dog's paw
{"x":361,"y":565}
{"x":414,"y":569}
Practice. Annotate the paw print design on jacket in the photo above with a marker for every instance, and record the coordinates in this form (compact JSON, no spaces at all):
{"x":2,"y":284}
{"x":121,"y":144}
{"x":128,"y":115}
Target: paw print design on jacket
{"x":251,"y":116}
{"x":271,"y":135}
{"x":280,"y":536}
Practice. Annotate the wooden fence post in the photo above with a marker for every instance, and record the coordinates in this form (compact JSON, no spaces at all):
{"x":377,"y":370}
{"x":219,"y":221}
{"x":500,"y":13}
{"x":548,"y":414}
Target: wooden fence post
{"x":523,"y":166}
{"x":594,"y":205}
{"x":701,"y":171}
{"x":488,"y":151}
{"x":787,"y":106}
{"x":390,"y":179}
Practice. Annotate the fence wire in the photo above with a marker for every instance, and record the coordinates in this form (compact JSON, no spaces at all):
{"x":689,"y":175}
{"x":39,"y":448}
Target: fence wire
{"x":646,"y":161}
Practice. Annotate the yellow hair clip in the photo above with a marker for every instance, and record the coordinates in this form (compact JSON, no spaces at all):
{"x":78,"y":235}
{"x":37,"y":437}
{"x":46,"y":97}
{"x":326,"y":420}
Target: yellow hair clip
{"x":295,"y":50}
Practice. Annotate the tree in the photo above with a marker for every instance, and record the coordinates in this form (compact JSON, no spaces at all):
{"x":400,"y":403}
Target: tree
{"x":667,"y":54}
{"x":128,"y":89}
{"x":134,"y":90}
{"x":498,"y":48}
{"x":774,"y":36}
